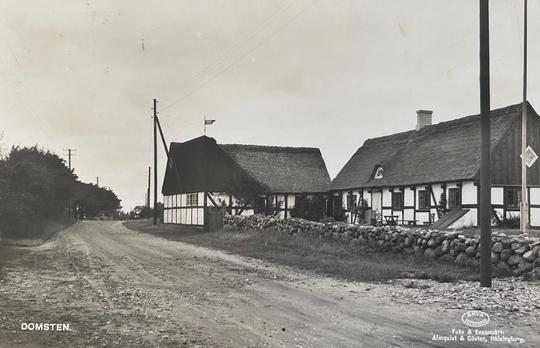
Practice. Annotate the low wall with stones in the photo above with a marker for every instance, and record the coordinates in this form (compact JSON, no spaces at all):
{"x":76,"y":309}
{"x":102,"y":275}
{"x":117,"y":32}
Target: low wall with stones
{"x":510,"y":254}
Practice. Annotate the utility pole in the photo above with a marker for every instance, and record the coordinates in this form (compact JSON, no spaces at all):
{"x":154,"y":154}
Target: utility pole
{"x":524,"y":205}
{"x":147,"y":201}
{"x":155,"y":161}
{"x":70,"y":152}
{"x":485,"y":147}
{"x":97,"y":181}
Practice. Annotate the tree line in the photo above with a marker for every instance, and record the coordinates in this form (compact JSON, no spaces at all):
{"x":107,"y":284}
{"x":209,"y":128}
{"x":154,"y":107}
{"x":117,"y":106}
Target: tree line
{"x":36,"y":185}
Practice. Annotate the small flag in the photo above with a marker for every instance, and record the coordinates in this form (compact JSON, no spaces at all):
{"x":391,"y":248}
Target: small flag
{"x":206,"y":122}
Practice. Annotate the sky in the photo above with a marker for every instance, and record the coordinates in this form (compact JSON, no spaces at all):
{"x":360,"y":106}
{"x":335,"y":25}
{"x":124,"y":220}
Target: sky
{"x":82,"y":74}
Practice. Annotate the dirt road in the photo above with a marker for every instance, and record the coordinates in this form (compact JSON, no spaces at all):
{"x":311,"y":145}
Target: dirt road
{"x":117,"y":287}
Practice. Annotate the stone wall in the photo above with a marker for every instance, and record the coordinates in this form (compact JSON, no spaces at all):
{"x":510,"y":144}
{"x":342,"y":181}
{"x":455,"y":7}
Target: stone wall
{"x":516,"y":255}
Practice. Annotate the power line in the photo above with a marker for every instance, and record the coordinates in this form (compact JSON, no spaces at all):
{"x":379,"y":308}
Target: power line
{"x":236,"y":45}
{"x":238,"y":59}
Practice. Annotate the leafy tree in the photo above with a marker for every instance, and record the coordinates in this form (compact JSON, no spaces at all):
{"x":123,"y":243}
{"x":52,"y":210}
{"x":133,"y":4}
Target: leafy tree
{"x":36,"y":185}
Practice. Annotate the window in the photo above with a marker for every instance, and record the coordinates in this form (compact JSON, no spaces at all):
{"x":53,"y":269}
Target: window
{"x":397,"y":201}
{"x":512,"y":197}
{"x":351,"y":202}
{"x":423,"y":200}
{"x":192,"y":199}
{"x":379,"y":171}
{"x":454,"y":198}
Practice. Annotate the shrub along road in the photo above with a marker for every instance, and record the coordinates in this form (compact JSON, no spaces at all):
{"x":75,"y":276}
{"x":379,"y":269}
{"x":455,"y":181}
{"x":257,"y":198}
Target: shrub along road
{"x":115,"y":286}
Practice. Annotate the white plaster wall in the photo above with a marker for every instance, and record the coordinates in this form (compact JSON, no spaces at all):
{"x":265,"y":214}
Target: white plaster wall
{"x":408,"y":197}
{"x":188,"y":216}
{"x":469,"y":193}
{"x":408,"y":214}
{"x":386,"y":198}
{"x":200,"y":216}
{"x":535,"y":216}
{"x":183,"y":200}
{"x":422,"y":217}
{"x":497,"y":195}
{"x":467,"y":220}
{"x":534,"y":196}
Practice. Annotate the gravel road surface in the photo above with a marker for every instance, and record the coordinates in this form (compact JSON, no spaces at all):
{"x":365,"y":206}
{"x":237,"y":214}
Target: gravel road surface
{"x":118,"y":287}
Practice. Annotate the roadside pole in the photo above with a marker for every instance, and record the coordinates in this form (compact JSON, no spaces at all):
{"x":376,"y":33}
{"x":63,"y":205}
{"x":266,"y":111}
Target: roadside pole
{"x":485,"y":175}
{"x":155,"y":162}
{"x":147,"y":200}
{"x":524,"y":204}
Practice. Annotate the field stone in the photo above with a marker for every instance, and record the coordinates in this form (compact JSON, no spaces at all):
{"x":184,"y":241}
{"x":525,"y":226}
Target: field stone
{"x":445,"y":246}
{"x":494,"y":257}
{"x":529,"y":256}
{"x":505,"y":254}
{"x":407,"y":241}
{"x":463,"y":259}
{"x":502,"y":269}
{"x":522,"y":268}
{"x":432,"y":243}
{"x":515,"y":246}
{"x":446,"y":258}
{"x":535,"y":274}
{"x":430,"y":253}
{"x":514,"y":260}
{"x":497,"y":247}
{"x":520,"y":251}
{"x":470,"y":251}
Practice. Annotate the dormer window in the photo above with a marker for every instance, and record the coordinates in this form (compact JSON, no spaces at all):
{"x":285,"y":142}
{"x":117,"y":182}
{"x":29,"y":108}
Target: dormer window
{"x":379,"y":171}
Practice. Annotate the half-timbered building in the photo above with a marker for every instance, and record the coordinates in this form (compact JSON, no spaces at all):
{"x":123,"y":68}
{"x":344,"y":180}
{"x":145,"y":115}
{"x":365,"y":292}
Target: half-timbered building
{"x":242,"y":179}
{"x":431,"y":174}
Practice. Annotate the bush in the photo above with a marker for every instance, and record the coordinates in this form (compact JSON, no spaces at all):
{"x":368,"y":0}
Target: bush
{"x":36,"y":185}
{"x":511,"y":222}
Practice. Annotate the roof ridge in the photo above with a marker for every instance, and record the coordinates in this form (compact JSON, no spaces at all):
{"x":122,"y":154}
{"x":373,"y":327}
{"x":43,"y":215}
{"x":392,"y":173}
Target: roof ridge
{"x":443,"y":125}
{"x":272,"y":148}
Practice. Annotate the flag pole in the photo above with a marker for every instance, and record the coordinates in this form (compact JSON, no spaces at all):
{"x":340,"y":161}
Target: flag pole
{"x":524,"y":206}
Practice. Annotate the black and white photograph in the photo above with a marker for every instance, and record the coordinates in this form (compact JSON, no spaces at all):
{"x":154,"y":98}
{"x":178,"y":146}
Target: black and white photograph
{"x":269,"y":173}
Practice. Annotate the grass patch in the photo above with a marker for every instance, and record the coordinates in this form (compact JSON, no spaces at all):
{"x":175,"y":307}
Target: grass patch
{"x":314,"y":254}
{"x":44,"y":230}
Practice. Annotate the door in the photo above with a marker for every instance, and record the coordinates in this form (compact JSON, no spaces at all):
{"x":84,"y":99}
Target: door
{"x":376,"y":205}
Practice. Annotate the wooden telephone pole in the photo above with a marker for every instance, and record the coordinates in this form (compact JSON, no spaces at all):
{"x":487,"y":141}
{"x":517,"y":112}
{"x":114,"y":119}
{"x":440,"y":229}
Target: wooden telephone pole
{"x":524,"y":205}
{"x":155,"y":162}
{"x":147,"y":202}
{"x":485,"y":145}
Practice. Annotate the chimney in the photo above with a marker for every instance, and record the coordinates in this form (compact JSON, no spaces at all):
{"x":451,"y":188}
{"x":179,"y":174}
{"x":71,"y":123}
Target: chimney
{"x":423,"y":118}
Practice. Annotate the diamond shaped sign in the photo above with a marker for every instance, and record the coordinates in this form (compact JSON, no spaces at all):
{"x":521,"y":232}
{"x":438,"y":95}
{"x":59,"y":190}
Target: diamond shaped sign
{"x":530,"y":156}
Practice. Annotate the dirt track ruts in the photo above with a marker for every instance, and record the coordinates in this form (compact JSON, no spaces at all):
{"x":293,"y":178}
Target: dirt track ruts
{"x":119,"y":287}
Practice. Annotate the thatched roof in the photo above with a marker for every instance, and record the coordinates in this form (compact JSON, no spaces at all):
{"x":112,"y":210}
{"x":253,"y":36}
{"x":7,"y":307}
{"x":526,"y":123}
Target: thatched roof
{"x":282,"y":169}
{"x":447,"y":151}
{"x":204,"y":165}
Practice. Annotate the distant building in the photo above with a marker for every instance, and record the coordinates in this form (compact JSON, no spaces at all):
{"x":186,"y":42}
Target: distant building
{"x":431,"y":174}
{"x":243,"y":179}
